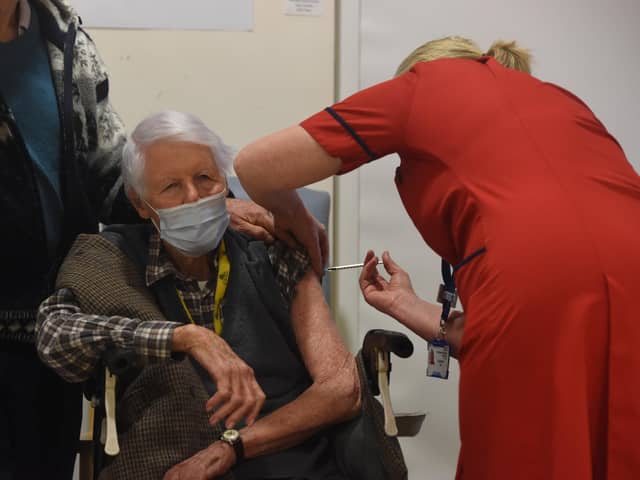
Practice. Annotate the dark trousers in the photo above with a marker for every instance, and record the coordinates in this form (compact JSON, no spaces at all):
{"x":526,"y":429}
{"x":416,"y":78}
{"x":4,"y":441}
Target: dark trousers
{"x":40,"y":417}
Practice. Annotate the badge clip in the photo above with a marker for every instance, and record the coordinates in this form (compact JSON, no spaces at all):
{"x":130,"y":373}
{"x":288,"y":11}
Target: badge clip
{"x":445,"y":295}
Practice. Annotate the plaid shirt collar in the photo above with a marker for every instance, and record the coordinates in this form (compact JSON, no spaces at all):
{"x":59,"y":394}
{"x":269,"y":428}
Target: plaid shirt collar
{"x":160,"y":265}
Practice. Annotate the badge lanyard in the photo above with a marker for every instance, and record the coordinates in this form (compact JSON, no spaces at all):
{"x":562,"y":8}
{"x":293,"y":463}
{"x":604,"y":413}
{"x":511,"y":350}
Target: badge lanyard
{"x":224,"y":267}
{"x":438,"y":350}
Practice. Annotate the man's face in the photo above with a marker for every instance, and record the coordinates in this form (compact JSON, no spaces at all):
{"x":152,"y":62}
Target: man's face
{"x":176,"y":173}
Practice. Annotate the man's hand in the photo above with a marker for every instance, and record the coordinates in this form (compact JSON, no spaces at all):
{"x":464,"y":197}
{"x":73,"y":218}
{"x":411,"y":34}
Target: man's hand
{"x":207,"y":464}
{"x":257,"y":222}
{"x":238,"y":394}
{"x":250,"y":218}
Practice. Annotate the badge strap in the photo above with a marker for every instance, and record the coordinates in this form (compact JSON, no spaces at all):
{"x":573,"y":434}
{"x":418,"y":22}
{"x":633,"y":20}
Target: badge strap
{"x":439,"y":350}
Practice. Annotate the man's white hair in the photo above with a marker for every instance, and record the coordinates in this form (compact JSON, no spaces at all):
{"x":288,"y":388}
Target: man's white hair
{"x":169,"y":125}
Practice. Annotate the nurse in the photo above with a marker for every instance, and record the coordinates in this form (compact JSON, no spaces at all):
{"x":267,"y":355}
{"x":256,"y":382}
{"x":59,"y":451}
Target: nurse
{"x":519,"y":186}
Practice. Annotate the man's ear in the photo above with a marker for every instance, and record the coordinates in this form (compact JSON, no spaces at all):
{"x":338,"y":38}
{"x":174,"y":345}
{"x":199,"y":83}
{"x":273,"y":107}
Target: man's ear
{"x":141,"y":207}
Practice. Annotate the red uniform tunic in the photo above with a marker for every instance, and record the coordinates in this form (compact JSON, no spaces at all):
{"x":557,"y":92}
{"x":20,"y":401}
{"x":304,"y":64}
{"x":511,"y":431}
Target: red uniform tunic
{"x":491,"y":157}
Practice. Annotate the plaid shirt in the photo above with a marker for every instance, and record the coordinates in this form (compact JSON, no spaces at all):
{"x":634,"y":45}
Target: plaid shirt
{"x":71,"y":342}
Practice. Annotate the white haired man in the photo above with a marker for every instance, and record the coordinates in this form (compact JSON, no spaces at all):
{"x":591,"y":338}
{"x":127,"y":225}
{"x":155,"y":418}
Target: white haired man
{"x":252,"y":318}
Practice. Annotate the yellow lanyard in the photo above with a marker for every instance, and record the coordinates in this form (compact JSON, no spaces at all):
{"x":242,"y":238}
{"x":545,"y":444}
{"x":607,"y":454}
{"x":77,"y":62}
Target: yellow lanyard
{"x":224,"y":267}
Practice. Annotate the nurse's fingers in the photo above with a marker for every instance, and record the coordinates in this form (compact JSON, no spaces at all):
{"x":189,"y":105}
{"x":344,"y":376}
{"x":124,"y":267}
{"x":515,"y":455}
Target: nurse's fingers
{"x":317,"y":244}
{"x":286,"y":237}
{"x":369,"y":271}
{"x":324,"y":247}
{"x":389,"y":265}
{"x":369,"y":274}
{"x":369,"y":255}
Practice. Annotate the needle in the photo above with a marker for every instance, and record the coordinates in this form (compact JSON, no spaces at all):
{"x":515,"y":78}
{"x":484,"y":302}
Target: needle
{"x":353,"y":265}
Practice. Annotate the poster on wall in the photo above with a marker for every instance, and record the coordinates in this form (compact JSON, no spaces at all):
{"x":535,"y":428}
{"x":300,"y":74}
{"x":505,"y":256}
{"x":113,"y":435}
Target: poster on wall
{"x":227,"y":15}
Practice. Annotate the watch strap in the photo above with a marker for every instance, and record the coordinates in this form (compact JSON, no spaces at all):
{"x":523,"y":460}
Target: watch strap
{"x":237,"y":444}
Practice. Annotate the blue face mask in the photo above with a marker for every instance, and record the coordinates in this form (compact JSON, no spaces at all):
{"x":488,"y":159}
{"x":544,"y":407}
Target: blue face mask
{"x":196,"y":228}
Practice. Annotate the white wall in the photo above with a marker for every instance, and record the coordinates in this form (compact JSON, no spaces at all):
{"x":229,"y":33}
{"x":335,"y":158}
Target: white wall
{"x":588,"y":46}
{"x":243,"y":84}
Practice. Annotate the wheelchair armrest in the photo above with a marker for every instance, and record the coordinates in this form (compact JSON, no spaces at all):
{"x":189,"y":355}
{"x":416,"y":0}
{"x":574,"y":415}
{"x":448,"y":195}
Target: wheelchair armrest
{"x":121,"y":361}
{"x":386,"y":341}
{"x":377,"y":347}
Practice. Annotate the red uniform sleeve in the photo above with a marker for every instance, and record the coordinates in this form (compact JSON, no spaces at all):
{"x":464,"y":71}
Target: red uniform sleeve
{"x":367,"y":125}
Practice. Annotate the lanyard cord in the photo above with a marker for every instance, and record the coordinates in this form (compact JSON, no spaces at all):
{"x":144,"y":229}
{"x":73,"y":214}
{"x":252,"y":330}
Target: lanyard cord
{"x":448,"y":295}
{"x":224,"y":267}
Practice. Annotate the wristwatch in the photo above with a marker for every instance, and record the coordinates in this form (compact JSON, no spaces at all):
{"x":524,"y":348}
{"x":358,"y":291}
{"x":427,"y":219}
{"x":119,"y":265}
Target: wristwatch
{"x":232,"y":437}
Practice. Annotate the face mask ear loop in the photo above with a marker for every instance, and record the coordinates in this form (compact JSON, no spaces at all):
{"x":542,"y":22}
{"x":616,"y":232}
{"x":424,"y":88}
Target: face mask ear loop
{"x":154,"y":211}
{"x":154,"y":224}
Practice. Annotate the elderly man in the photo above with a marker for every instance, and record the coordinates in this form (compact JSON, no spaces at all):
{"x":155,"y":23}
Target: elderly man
{"x":251,"y":318}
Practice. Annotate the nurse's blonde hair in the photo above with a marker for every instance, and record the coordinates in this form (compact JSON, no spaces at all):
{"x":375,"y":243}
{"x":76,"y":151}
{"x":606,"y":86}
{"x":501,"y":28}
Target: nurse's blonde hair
{"x":508,"y":54}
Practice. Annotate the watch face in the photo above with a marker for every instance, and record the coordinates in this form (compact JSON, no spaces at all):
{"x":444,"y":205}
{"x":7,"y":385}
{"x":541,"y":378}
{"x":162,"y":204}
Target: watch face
{"x":231,"y":435}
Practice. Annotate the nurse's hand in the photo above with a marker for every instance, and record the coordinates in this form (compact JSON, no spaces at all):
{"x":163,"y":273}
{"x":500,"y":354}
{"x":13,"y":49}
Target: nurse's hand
{"x":307,"y":231}
{"x":396,"y":297}
{"x":385,"y":296}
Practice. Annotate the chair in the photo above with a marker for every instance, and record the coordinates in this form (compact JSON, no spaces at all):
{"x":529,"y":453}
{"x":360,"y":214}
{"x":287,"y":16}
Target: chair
{"x":374,"y":364}
{"x":365,"y":448}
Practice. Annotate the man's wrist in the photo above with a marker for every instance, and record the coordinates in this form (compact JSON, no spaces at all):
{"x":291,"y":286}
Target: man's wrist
{"x":227,"y":448}
{"x":233,"y":439}
{"x":184,"y":338}
{"x":152,"y":339}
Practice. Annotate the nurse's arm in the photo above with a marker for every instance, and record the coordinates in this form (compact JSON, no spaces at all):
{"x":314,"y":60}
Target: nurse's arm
{"x":271,"y":168}
{"x":423,"y":318}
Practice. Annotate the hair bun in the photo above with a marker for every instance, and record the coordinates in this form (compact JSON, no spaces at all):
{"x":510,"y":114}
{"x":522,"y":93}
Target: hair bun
{"x":511,"y":55}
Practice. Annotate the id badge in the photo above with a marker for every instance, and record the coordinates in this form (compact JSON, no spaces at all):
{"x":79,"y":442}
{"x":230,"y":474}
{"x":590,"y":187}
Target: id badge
{"x":438,"y":359}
